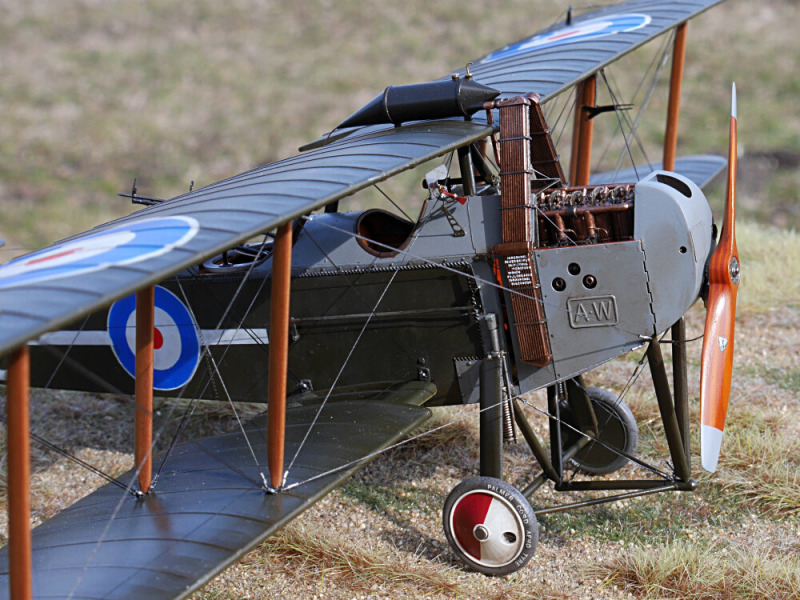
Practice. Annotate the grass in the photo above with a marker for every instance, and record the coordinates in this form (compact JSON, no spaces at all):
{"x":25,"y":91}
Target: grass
{"x":763,"y":285}
{"x":707,"y":571}
{"x":364,"y":567}
{"x":761,"y":470}
{"x":372,"y":569}
{"x":177,"y":93}
{"x":95,"y":94}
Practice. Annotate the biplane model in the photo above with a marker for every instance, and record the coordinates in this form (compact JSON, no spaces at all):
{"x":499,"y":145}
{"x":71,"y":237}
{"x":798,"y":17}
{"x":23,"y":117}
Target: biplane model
{"x":353,"y":326}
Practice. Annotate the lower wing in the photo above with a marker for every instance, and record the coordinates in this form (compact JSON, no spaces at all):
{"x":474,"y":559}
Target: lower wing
{"x":209,"y":507}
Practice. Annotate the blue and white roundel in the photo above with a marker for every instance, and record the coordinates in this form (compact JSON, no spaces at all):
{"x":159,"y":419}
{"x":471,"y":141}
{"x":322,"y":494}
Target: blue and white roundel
{"x":122,"y":245}
{"x":177,"y":347}
{"x":591,"y":29}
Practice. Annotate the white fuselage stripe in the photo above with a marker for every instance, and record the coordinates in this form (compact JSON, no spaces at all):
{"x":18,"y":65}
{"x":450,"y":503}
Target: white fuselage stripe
{"x":211,"y":337}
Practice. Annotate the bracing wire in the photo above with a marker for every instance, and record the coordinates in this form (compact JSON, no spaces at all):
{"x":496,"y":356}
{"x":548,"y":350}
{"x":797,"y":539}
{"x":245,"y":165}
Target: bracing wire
{"x":339,"y":374}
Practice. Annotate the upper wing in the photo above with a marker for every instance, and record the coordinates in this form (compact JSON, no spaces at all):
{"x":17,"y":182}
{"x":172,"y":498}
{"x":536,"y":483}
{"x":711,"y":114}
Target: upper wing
{"x":209,"y":509}
{"x":55,"y":286}
{"x":557,"y":58}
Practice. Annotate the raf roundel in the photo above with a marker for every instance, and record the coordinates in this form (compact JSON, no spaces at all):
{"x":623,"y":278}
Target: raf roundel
{"x":123,"y":245}
{"x":580,"y":32}
{"x":177,"y":347}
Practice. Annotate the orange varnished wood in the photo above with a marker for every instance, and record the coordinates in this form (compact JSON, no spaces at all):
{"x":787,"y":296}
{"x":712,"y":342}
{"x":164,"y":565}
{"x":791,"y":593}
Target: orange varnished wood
{"x":582,"y":133}
{"x":278,"y":352}
{"x":143,"y":420}
{"x":576,"y":134}
{"x":19,"y":473}
{"x":674,"y":107}
{"x":717,"y":363}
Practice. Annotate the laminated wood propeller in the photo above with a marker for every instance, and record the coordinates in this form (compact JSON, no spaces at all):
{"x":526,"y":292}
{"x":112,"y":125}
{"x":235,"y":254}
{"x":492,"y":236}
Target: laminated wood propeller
{"x":717,"y":357}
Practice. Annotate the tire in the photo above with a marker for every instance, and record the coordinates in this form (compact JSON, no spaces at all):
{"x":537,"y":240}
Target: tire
{"x":490,"y":525}
{"x":617,"y":428}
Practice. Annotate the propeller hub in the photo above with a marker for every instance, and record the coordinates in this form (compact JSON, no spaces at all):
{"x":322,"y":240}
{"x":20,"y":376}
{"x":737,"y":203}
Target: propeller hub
{"x":734,"y":270}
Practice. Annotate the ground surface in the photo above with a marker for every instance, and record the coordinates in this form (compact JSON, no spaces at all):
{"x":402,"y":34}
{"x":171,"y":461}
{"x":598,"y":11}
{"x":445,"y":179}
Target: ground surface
{"x":97,"y":93}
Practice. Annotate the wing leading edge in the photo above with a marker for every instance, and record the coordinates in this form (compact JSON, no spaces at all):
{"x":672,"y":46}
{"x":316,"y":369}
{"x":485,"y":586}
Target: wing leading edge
{"x":208,"y":509}
{"x":556,"y":58}
{"x":55,"y":286}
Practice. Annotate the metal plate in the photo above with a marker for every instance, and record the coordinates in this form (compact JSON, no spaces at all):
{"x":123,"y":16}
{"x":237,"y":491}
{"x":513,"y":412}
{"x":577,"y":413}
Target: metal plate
{"x":590,"y":325}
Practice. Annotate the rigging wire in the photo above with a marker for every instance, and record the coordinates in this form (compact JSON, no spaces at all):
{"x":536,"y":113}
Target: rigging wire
{"x":213,"y":364}
{"x":64,"y":354}
{"x":408,"y":440}
{"x":627,"y":387}
{"x":73,"y":457}
{"x":130,"y":487}
{"x":561,"y":126}
{"x":651,"y":77}
{"x":595,"y":440}
{"x":480,"y":281}
{"x":392,"y":202}
{"x":635,"y":124}
{"x":346,"y":277}
{"x":621,"y":128}
{"x":338,"y":375}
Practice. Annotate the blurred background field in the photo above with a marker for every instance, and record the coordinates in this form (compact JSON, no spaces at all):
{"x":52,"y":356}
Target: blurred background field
{"x":96,"y":93}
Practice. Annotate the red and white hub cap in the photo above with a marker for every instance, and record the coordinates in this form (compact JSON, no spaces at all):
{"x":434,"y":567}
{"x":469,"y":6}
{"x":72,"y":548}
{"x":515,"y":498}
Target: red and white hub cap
{"x":487,"y":528}
{"x":490,"y":525}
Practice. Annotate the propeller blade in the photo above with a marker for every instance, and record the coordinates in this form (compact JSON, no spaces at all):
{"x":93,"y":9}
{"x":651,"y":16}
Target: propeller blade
{"x":717,"y":356}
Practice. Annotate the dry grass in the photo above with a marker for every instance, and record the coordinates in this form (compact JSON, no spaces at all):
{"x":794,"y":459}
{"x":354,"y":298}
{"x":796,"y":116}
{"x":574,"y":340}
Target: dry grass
{"x":363,"y":567}
{"x":96,"y":93}
{"x":761,"y":470}
{"x":717,"y":571}
{"x":770,"y":259}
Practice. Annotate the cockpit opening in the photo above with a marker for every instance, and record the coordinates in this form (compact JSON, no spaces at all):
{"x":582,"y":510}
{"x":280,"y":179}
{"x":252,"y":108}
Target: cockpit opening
{"x":382,"y":233}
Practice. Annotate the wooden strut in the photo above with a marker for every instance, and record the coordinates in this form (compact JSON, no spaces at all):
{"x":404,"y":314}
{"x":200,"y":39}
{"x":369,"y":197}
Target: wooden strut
{"x":20,"y":561}
{"x":582,"y":132}
{"x":674,"y":106}
{"x":278,"y":353}
{"x":143,"y":419}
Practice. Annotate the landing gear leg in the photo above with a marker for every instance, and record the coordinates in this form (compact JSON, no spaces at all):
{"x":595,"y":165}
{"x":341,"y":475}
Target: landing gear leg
{"x":491,"y":419}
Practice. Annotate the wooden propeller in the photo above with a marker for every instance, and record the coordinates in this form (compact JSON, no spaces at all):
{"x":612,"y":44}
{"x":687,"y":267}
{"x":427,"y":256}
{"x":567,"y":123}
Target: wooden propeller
{"x":717,"y":357}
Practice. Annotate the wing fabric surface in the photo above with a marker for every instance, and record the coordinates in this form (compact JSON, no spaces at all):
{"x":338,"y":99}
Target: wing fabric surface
{"x":701,"y":169}
{"x":208,"y":509}
{"x":60,"y":284}
{"x":556,"y":58}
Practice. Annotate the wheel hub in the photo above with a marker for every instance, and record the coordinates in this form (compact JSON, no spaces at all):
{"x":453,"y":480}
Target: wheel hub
{"x":481,"y":533}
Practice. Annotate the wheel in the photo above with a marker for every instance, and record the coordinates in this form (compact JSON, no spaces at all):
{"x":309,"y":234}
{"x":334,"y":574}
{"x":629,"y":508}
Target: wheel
{"x":490,"y":525}
{"x":618,"y":430}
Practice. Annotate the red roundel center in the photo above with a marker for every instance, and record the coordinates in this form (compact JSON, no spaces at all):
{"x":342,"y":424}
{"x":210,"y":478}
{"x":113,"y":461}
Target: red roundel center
{"x":158,"y":339}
